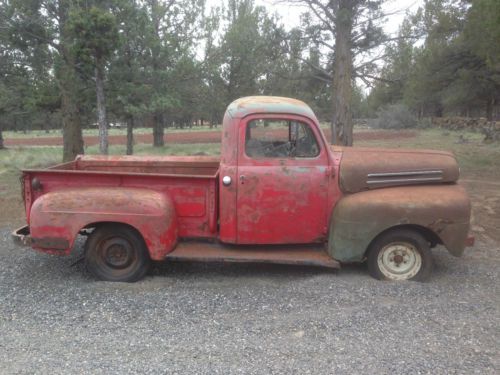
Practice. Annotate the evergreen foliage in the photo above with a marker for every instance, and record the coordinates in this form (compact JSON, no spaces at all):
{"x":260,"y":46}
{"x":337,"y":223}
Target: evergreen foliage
{"x":167,"y":63}
{"x":453,"y":67}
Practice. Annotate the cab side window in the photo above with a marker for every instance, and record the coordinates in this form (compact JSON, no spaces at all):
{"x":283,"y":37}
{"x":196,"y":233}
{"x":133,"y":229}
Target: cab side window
{"x":275,"y":138}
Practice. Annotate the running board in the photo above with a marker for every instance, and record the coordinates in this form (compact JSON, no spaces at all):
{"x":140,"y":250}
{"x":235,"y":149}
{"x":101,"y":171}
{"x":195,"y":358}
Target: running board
{"x":308,"y":255}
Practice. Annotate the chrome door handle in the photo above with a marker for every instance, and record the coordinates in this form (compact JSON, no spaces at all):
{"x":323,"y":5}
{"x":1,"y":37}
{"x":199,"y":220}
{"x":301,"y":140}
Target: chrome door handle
{"x":226,"y":180}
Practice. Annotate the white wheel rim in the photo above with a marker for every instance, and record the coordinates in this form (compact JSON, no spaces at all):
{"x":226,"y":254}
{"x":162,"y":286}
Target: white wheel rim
{"x":399,"y":261}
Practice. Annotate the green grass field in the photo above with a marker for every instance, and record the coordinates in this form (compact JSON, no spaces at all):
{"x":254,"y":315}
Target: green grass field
{"x":95,"y":132}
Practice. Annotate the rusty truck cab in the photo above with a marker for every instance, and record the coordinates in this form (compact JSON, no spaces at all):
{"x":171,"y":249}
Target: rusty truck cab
{"x":277,"y":177}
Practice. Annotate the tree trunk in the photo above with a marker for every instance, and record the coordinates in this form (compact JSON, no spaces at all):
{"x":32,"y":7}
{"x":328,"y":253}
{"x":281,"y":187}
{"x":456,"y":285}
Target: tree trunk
{"x":158,"y":131}
{"x":46,"y":123}
{"x":72,"y":129}
{"x":101,"y":109}
{"x":1,"y":138}
{"x":341,"y":125}
{"x":130,"y":135}
{"x":68,"y":85}
{"x":490,"y":103}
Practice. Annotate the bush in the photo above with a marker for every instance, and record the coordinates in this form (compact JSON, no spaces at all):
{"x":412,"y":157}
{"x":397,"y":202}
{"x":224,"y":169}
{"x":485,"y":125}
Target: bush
{"x":424,"y":123}
{"x":395,"y":116}
{"x":491,"y":134}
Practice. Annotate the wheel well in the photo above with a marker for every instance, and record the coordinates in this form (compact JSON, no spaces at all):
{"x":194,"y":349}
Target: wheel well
{"x":428,"y":234}
{"x":93,"y":226}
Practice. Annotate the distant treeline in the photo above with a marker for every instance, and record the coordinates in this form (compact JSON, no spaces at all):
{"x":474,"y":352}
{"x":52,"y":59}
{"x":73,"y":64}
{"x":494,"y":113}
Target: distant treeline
{"x":445,"y":61}
{"x":161,"y":63}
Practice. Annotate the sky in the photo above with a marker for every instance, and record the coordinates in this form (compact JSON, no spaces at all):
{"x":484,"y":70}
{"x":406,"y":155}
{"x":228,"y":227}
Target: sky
{"x":290,"y":13}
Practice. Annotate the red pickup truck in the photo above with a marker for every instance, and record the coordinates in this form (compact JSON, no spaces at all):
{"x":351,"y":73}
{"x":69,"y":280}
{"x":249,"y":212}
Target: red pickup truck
{"x":279,"y":193}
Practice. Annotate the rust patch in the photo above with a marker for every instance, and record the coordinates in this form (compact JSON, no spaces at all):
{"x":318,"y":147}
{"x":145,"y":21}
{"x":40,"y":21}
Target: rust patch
{"x":470,"y":240}
{"x":53,"y":243}
{"x":439,"y":225}
{"x":217,"y":252}
{"x":359,"y":218}
{"x":369,"y":168}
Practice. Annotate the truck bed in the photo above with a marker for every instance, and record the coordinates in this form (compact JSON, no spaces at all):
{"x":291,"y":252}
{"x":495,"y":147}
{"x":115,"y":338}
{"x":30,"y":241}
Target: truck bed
{"x":195,"y":166}
{"x":190,"y":181}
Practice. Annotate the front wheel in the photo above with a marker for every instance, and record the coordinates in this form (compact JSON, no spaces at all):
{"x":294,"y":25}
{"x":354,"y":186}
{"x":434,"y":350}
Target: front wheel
{"x":115,"y":252}
{"x":400,"y":254}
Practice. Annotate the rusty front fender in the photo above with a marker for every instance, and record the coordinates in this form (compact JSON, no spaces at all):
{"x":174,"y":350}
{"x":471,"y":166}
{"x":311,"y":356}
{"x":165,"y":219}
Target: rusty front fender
{"x":58,"y":216}
{"x":442,"y":210}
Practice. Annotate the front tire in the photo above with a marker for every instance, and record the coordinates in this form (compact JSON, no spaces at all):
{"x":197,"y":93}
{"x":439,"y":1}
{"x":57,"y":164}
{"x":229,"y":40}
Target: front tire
{"x":115,"y":252}
{"x":400,"y":254}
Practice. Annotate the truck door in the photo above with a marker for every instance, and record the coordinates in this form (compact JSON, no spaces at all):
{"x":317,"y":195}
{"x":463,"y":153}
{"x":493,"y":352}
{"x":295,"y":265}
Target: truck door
{"x":282,"y":181}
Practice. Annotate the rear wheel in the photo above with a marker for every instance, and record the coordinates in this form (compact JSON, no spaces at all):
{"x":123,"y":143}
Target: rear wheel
{"x":115,"y":252}
{"x":400,"y":254}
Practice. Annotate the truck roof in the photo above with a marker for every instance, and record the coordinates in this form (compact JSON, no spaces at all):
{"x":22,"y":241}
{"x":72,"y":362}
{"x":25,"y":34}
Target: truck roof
{"x":268,"y":104}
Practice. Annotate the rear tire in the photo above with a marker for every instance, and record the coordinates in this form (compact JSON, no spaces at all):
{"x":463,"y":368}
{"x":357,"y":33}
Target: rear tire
{"x":116,"y":252}
{"x":400,"y":254}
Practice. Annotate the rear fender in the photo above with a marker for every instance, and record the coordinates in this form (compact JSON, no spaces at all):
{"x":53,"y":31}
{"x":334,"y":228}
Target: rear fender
{"x":359,"y":218}
{"x":58,"y":216}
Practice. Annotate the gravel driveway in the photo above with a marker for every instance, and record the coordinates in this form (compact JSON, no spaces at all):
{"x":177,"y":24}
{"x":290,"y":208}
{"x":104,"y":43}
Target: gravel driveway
{"x":214,"y":318}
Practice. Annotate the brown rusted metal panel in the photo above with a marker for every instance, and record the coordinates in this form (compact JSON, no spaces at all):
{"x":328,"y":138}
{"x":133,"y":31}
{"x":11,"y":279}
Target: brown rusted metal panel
{"x":359,"y":218}
{"x":218,"y":252}
{"x":470,"y":240}
{"x":371,"y":168}
{"x":164,"y":165}
{"x":53,"y":243}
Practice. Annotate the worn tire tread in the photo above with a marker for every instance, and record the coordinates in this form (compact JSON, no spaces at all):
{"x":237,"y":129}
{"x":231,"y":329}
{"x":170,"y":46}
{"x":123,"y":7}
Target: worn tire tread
{"x":133,"y":236}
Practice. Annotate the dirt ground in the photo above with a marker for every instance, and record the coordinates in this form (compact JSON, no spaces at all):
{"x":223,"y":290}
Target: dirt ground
{"x":196,"y":318}
{"x":485,"y":198}
{"x":184,"y":137}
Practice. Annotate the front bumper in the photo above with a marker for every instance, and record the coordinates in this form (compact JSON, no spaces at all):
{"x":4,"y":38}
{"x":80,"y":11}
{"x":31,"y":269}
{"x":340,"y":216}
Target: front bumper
{"x":22,"y":237}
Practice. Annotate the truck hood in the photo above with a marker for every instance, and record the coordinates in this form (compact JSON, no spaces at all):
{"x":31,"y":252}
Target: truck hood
{"x":371,"y":168}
